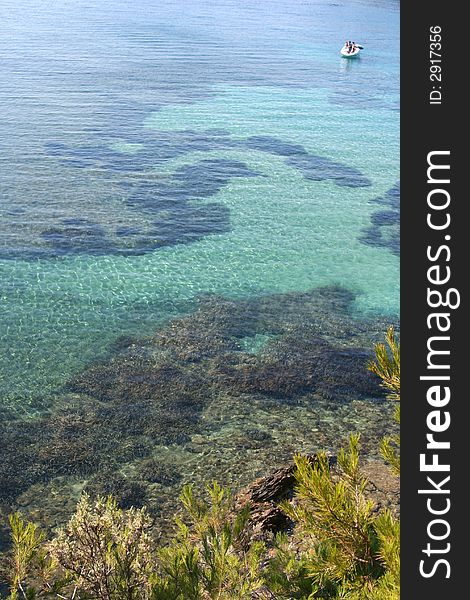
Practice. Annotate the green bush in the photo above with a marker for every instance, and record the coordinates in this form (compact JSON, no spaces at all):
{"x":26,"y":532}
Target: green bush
{"x":104,"y":553}
{"x":387,"y":367}
{"x":209,"y":558}
{"x":344,"y":549}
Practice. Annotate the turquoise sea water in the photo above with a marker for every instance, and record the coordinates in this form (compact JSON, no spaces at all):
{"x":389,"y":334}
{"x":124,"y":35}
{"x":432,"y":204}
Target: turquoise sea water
{"x":199,"y":241}
{"x":151,"y":152}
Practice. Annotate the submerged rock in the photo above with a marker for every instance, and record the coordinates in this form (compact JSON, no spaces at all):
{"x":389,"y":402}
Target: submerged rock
{"x":330,"y":372}
{"x":384,"y":230}
{"x":127,"y":492}
{"x":155,"y":472}
{"x":251,"y":406}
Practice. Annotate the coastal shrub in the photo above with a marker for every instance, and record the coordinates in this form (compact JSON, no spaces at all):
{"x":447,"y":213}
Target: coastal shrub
{"x":103,"y":553}
{"x":210,"y":558}
{"x":29,"y":569}
{"x":387,"y":366}
{"x":26,"y":555}
{"x":107,"y":552}
{"x":342,"y":548}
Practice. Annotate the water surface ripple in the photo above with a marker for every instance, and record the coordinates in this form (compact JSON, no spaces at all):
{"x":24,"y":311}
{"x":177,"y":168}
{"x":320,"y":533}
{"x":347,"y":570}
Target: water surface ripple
{"x":211,"y":170}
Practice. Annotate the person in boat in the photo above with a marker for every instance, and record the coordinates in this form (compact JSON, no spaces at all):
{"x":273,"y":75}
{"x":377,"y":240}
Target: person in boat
{"x":352,"y":47}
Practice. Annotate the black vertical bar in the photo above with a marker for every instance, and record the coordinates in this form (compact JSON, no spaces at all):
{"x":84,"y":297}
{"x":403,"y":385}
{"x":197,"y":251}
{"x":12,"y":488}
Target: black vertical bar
{"x":433,"y":83}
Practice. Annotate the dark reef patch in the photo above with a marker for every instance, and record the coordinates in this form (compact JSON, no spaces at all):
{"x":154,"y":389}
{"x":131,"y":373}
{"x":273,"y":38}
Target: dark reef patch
{"x":76,"y":236}
{"x":315,"y":168}
{"x":151,"y":149}
{"x":160,"y":207}
{"x":157,"y":148}
{"x":384,"y":230}
{"x":275,"y":146}
{"x":164,"y":203}
{"x":128,"y":492}
{"x":178,"y":221}
{"x":153,"y":471}
{"x":157,"y":392}
{"x":331,"y":373}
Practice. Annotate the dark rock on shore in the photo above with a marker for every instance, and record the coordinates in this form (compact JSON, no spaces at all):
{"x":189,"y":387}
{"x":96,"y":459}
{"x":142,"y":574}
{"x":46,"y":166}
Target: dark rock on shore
{"x":264,"y":495}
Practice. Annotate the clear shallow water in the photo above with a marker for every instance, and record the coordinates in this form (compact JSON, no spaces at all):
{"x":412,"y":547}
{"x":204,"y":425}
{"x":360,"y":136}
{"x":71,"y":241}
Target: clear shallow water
{"x":199,"y":241}
{"x":156,"y":151}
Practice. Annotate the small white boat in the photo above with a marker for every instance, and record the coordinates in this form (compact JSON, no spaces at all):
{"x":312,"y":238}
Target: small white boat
{"x":346,"y":53}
